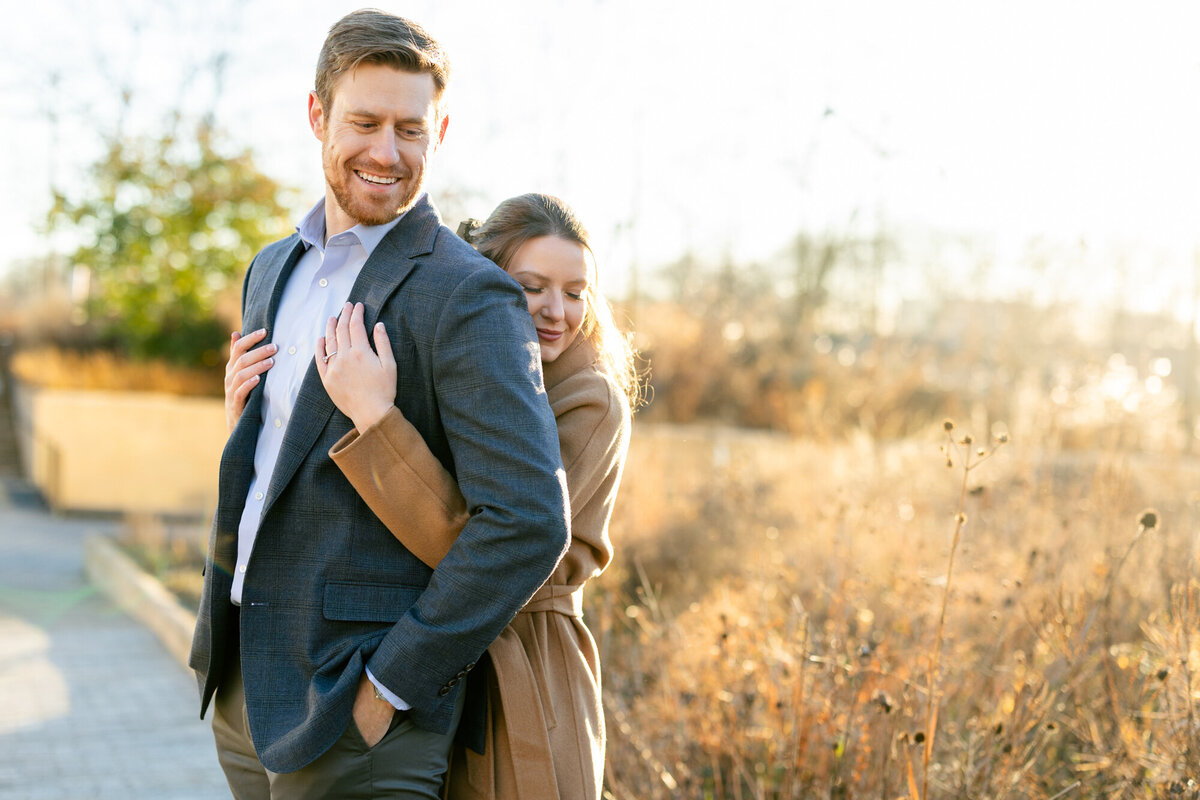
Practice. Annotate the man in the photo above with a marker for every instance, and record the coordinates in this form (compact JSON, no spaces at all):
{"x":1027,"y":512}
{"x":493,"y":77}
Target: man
{"x":337,"y":658}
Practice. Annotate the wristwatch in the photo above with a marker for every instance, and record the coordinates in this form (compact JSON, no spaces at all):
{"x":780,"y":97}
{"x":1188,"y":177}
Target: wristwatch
{"x":379,"y":694}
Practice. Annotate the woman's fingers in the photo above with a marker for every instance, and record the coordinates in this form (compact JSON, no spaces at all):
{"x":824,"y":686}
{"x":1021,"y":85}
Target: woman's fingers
{"x":243,"y":391}
{"x":342,"y":340}
{"x":358,"y":331}
{"x":322,"y":361}
{"x":252,"y":370}
{"x":241,"y":355}
{"x":234,"y":353}
{"x":243,"y":371}
{"x":346,"y":338}
{"x":383,"y":347}
{"x":241,"y":343}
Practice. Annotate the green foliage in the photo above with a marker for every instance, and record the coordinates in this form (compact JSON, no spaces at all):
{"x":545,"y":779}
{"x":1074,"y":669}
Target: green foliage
{"x":166,"y":226}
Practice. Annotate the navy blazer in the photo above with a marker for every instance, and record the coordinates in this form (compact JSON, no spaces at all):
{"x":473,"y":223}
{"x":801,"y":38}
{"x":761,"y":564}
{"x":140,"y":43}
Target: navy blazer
{"x":329,"y":590}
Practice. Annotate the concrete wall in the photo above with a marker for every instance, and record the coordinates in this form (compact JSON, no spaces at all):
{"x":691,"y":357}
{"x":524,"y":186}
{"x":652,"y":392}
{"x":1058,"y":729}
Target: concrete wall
{"x":120,"y":451}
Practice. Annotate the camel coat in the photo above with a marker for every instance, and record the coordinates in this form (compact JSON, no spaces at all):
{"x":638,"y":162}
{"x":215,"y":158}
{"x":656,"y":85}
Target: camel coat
{"x":545,"y":731}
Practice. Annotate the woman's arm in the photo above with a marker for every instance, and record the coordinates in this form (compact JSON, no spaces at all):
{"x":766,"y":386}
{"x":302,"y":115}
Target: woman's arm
{"x":404,"y":484}
{"x":386,"y":461}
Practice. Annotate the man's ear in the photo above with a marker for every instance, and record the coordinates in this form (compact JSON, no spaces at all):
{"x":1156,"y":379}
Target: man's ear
{"x":442,"y":125}
{"x":316,"y":116}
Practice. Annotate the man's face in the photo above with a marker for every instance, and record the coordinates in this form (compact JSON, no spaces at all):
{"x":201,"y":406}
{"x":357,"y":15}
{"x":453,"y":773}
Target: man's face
{"x":375,"y":143}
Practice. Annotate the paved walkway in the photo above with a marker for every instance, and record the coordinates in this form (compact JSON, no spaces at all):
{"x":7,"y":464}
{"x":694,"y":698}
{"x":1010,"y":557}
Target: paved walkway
{"x":91,"y":705}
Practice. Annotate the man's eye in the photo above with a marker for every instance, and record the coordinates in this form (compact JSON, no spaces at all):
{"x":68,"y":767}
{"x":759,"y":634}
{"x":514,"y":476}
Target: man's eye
{"x":411,"y":133}
{"x":364,"y":126}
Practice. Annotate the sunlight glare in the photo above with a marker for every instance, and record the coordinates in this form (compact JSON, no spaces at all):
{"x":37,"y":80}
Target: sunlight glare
{"x":34,"y":688}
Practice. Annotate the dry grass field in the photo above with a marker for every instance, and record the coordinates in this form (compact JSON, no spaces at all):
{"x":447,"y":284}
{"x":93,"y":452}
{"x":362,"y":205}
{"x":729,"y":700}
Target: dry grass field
{"x":771,"y":628}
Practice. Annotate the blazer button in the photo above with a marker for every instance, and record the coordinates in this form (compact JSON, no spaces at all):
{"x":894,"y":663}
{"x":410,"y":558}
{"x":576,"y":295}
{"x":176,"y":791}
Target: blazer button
{"x":470,"y":666}
{"x":452,"y":682}
{"x":445,"y":690}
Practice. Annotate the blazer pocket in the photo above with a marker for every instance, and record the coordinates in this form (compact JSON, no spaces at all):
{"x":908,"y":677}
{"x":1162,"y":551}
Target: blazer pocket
{"x":368,"y":602}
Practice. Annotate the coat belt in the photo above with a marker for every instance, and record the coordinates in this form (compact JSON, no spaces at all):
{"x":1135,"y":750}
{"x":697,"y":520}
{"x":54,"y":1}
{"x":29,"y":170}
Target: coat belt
{"x":560,"y":598}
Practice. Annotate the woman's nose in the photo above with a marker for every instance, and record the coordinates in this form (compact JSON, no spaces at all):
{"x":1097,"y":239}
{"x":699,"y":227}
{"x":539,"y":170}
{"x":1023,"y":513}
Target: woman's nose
{"x":553,"y":308}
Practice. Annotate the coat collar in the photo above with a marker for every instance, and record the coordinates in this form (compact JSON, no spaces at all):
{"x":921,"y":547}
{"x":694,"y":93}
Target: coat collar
{"x":579,"y":354}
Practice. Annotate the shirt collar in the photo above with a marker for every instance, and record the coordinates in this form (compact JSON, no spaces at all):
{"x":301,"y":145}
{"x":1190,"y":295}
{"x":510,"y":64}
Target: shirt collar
{"x":312,"y":229}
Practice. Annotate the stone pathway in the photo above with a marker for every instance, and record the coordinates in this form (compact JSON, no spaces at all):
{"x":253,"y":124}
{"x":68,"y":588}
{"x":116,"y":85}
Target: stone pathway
{"x":91,"y":705}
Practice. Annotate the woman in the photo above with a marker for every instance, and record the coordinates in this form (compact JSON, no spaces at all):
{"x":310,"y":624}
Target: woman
{"x":545,"y":732}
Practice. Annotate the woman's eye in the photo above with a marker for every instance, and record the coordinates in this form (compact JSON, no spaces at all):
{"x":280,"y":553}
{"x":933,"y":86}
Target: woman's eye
{"x":532,"y":289}
{"x":574,"y":296}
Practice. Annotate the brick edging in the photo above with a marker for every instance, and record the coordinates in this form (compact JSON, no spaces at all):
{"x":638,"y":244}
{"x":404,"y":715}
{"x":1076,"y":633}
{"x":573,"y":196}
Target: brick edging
{"x":139,"y":594}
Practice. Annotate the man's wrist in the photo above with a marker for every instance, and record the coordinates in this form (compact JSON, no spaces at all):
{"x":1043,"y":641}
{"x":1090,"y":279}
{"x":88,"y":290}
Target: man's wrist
{"x":384,"y":693}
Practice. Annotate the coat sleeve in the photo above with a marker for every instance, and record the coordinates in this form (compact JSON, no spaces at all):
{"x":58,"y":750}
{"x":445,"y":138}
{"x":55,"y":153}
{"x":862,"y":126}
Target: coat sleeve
{"x":402,"y":482}
{"x":492,"y":406}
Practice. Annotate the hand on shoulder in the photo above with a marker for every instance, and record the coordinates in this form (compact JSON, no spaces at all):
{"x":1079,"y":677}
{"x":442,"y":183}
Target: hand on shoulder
{"x":360,"y":380}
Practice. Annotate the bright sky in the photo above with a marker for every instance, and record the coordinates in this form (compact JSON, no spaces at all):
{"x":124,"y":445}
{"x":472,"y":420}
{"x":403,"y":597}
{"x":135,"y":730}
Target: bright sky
{"x":721,"y":127}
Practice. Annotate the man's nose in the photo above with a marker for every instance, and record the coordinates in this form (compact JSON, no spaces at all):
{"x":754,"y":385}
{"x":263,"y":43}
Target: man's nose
{"x":383,"y":149}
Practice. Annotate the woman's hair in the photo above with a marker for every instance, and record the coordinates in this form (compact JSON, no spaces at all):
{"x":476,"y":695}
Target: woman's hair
{"x":529,"y":216}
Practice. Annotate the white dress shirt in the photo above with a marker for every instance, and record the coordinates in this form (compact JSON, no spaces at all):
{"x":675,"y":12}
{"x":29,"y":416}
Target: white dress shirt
{"x":316,"y":290}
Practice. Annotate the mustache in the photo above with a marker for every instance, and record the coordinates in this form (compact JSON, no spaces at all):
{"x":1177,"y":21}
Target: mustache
{"x":375,"y":170}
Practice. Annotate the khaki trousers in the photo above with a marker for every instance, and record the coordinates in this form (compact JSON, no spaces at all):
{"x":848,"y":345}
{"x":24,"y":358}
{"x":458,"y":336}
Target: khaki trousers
{"x":408,"y":763}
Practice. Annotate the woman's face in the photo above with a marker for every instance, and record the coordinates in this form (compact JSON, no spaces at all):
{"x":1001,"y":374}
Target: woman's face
{"x":554,"y":273}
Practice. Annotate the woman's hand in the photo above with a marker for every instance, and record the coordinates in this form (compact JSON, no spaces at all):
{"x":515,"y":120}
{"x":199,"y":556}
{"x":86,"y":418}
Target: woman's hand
{"x":360,"y":381}
{"x":244,"y":370}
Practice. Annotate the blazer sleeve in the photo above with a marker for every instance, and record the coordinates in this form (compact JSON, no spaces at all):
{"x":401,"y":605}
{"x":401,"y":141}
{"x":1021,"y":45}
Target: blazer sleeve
{"x":491,"y":402}
{"x":402,"y":482}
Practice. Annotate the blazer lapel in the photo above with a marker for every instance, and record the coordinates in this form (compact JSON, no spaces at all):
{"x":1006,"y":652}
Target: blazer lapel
{"x":267,"y":282}
{"x":381,"y":275}
{"x":309,"y":417}
{"x":267,"y":279}
{"x":392,"y":259}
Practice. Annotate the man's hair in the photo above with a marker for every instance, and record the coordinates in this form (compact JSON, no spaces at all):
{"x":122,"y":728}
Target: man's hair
{"x":371,"y":36}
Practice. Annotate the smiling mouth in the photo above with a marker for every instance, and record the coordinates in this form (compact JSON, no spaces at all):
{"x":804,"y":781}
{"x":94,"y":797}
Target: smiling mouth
{"x":552,"y":335}
{"x":378,"y":180}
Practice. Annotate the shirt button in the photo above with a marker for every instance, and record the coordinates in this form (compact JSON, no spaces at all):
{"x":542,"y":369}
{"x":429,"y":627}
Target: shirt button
{"x":278,"y":423}
{"x":242,"y":568}
{"x":292,"y":350}
{"x":323,"y":283}
{"x":258,"y":495}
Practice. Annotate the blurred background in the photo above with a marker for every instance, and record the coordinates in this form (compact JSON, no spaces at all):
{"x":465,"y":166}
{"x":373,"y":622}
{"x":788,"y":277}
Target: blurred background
{"x":832,"y":227}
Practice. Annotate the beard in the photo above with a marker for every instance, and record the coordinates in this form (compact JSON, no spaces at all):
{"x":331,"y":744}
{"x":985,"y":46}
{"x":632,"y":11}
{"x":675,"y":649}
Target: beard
{"x":359,"y":206}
